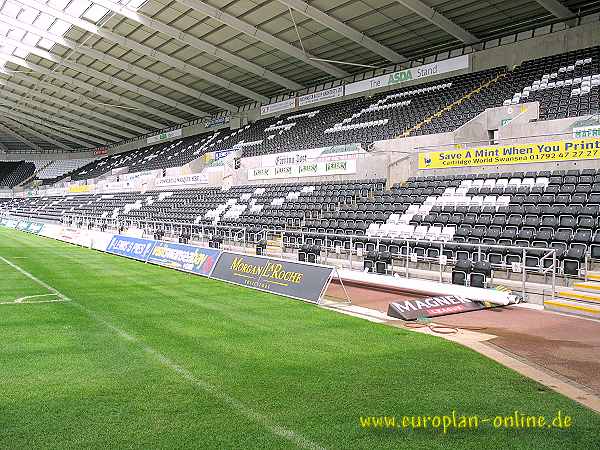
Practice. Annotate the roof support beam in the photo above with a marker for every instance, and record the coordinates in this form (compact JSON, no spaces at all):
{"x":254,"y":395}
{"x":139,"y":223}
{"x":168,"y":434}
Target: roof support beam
{"x":439,"y":20}
{"x":30,"y":131}
{"x":199,"y":44}
{"x":56,"y":113}
{"x":146,"y":51}
{"x":36,"y":123}
{"x":67,"y":104}
{"x":18,"y":137}
{"x":107,"y":59}
{"x":108,"y":79}
{"x":343,"y":29}
{"x":252,"y":31}
{"x":94,"y":90}
{"x":556,"y":8}
{"x":50,"y":122}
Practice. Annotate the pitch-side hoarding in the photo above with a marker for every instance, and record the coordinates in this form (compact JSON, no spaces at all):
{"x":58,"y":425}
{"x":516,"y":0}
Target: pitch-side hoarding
{"x":184,"y":257}
{"x":278,"y":276}
{"x":434,"y":306}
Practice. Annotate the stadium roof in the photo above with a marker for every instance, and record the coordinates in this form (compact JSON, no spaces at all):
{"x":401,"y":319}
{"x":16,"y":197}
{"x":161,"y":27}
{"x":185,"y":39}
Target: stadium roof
{"x":80,"y":73}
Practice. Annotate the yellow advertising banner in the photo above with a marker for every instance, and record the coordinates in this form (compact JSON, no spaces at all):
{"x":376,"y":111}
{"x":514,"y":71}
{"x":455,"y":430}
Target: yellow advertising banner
{"x":75,"y":189}
{"x":579,"y":149}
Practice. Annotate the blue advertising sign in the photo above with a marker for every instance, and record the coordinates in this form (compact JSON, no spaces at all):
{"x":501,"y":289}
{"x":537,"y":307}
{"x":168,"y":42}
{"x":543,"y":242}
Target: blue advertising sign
{"x":220,"y":154}
{"x":214,"y":121}
{"x":197,"y":260}
{"x":131,"y":247}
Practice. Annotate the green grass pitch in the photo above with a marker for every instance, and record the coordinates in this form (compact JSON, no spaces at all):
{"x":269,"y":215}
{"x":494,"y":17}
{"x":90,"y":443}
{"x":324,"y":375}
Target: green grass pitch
{"x":145,"y":357}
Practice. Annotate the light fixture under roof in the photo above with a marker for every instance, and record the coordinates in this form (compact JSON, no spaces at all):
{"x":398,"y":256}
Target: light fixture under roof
{"x":25,"y":11}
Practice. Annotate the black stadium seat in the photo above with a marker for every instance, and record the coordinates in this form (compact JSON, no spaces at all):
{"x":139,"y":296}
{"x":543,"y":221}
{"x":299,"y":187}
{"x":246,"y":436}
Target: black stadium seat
{"x":556,"y":208}
{"x":461,"y":272}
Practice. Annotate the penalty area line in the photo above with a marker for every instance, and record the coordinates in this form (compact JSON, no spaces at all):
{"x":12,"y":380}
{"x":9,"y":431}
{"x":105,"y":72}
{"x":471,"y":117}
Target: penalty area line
{"x":239,"y":407}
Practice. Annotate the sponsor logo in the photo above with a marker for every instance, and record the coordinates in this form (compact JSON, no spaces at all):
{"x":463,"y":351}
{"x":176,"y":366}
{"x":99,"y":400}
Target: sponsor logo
{"x":222,"y":154}
{"x":261,"y":172}
{"x":184,"y":257}
{"x":22,"y":225}
{"x":427,"y":70}
{"x":320,"y":96}
{"x":164,"y":136}
{"x":81,"y":189}
{"x":573,"y":150}
{"x":308,"y":169}
{"x":586,"y":132}
{"x":11,"y":223}
{"x":130,"y":247}
{"x":289,"y":278}
{"x":304,"y":170}
{"x":400,"y":77}
{"x":216,"y":121}
{"x":434,"y":306}
{"x":36,"y":228}
{"x":291,"y":159}
{"x":182,"y":180}
{"x":287,"y":170}
{"x":277,"y":107}
{"x":268,"y":272}
{"x":336,"y":166}
{"x":427,"y":159}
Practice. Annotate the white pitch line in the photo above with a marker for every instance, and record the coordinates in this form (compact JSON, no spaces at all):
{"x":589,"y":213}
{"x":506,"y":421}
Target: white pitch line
{"x":357,"y":311}
{"x":21,"y":299}
{"x":34,"y":303}
{"x":277,"y":430}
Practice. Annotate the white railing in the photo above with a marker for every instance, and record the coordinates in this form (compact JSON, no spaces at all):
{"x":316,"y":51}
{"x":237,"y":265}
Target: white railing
{"x":346,"y":248}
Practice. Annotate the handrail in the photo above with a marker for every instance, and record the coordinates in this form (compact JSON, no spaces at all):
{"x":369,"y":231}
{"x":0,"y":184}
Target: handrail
{"x":326,"y":234}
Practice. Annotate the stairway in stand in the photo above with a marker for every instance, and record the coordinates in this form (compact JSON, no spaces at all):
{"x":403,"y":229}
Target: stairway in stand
{"x":449,"y":107}
{"x":583,"y":299}
{"x":274,"y":245}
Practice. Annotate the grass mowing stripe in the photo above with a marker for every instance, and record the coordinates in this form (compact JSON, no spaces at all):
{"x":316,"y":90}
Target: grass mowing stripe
{"x":235,"y":404}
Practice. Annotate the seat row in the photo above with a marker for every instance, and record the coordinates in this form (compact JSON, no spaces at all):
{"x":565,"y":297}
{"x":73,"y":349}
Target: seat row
{"x":425,"y":181}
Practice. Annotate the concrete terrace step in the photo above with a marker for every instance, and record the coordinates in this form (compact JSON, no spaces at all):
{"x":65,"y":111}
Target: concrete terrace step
{"x":587,"y":286}
{"x":578,"y":295}
{"x":573,"y":307}
{"x":594,"y":276}
{"x":274,"y":245}
{"x":583,"y":299}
